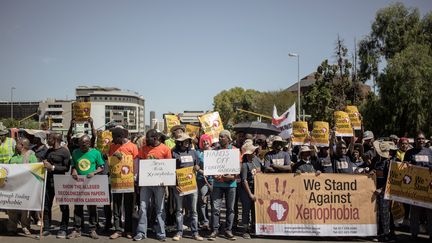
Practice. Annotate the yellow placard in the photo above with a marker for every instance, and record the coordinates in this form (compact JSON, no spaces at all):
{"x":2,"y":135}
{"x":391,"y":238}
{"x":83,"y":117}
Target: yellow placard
{"x":211,"y":124}
{"x":121,"y":174}
{"x":343,"y":124}
{"x":409,"y":184}
{"x":170,"y":121}
{"x":306,"y":204}
{"x":81,"y":111}
{"x":186,"y":180}
{"x":192,"y":130}
{"x":320,"y":134}
{"x":103,"y":141}
{"x":354,"y":116}
{"x":300,"y":132}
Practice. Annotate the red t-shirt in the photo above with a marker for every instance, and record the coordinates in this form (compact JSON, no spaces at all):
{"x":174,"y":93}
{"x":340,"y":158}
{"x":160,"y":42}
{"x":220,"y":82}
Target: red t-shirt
{"x":128,"y":148}
{"x":159,"y":152}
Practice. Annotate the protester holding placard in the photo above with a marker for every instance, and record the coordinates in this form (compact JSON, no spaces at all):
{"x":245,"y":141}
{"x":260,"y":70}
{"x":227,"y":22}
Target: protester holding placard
{"x":250,"y":167}
{"x":224,"y":186}
{"x":176,"y":131}
{"x":57,"y":162}
{"x":324,"y":160}
{"x":277,"y":160}
{"x":153,"y":149}
{"x":341,"y":160}
{"x":370,"y":155}
{"x":403,"y":147}
{"x":85,"y":161}
{"x":120,"y":148}
{"x":420,"y":156}
{"x":185,"y":157}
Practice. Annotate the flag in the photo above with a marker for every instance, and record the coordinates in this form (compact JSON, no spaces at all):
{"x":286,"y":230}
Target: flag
{"x":284,"y":121}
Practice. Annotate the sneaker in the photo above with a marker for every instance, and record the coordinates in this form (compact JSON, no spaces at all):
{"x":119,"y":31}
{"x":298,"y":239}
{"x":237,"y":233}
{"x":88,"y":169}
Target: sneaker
{"x":229,"y":235}
{"x":177,"y":237}
{"x":197,"y":237}
{"x":94,"y":235}
{"x":246,"y":236}
{"x":139,"y":237}
{"x":61,"y":234}
{"x":74,"y":234}
{"x":212,"y":236}
{"x":26,"y":231}
{"x":116,"y":235}
{"x":162,"y":239}
{"x":46,"y":233}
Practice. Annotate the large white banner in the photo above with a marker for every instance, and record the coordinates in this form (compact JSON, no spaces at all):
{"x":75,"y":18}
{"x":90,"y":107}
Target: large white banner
{"x":83,"y":191}
{"x":22,"y":186}
{"x":222,"y":162}
{"x":284,"y":121}
{"x":157,"y":172}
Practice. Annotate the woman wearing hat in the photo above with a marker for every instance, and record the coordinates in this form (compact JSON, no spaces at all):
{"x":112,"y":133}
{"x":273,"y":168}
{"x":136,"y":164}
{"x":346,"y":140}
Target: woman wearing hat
{"x":251,"y":165}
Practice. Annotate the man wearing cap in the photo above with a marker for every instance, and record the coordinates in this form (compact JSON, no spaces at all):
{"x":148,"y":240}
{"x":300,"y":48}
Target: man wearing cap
{"x":370,"y":154}
{"x":185,"y":157}
{"x":7,"y":146}
{"x":176,"y":131}
{"x":420,"y":156}
{"x":304,"y":165}
{"x":277,"y":160}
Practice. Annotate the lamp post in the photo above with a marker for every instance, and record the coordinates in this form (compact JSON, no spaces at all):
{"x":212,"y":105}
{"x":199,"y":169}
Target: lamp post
{"x":298,"y":82}
{"x":12,"y":89}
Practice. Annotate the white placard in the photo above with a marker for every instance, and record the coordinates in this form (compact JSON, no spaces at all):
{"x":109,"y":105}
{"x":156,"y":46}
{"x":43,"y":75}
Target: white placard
{"x":157,"y":172}
{"x":83,"y":191}
{"x":222,"y":162}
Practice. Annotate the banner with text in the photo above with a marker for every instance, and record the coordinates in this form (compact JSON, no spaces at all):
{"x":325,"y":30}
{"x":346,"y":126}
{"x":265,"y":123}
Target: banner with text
{"x":309,"y":205}
{"x":343,"y":124}
{"x":211,"y":124}
{"x":186,"y":180}
{"x":81,"y":111}
{"x":300,"y":132}
{"x":157,"y":172}
{"x":83,"y":191}
{"x":409,"y":184}
{"x":354,"y":116}
{"x":21,"y":186}
{"x":121,"y":174}
{"x":320,"y":134}
{"x":221,"y":162}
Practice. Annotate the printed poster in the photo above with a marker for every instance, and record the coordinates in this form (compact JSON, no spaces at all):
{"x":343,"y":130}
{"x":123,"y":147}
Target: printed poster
{"x":300,"y":132}
{"x":310,"y":205}
{"x":354,"y":116}
{"x":343,"y":124}
{"x":186,"y":180}
{"x":211,"y":124}
{"x":171,"y":121}
{"x":409,"y":184}
{"x":21,"y":186}
{"x":81,"y":111}
{"x":320,"y":134}
{"x":121,"y":174}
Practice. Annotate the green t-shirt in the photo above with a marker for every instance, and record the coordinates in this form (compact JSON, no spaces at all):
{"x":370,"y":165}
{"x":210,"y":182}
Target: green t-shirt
{"x":86,"y":163}
{"x":19,"y":159}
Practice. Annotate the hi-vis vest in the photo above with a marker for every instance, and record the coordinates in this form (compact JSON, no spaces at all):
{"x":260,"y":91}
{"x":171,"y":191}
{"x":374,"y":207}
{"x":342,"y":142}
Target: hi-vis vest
{"x":7,"y":150}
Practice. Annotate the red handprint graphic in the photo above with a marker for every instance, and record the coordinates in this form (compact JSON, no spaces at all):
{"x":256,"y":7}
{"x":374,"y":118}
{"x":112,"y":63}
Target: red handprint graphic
{"x":277,"y":209}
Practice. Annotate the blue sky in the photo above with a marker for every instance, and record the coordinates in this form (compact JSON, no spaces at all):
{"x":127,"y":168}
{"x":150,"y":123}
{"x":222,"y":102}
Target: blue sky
{"x":177,"y":54}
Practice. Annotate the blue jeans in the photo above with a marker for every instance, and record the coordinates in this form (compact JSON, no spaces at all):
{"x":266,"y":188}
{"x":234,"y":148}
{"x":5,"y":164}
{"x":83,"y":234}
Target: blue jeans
{"x":203,"y":189}
{"x":158,"y":194}
{"x":217,"y":194}
{"x":248,"y":207}
{"x":193,"y":215}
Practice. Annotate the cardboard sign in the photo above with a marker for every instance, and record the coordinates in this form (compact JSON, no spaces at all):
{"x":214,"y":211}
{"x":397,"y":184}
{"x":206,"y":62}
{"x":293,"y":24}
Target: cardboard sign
{"x":186,"y":180}
{"x":320,"y":134}
{"x":343,"y":124}
{"x":84,"y":191}
{"x":221,"y":162}
{"x":211,"y":124}
{"x":354,"y":116}
{"x":300,"y":132}
{"x":157,"y":172}
{"x":310,"y":205}
{"x":81,"y":111}
{"x":412,"y":185}
{"x":21,"y":186}
{"x":170,"y":122}
{"x":121,"y":174}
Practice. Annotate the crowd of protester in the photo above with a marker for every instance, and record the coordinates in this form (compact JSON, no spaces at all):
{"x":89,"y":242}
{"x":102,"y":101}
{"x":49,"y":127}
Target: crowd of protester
{"x":158,"y":208}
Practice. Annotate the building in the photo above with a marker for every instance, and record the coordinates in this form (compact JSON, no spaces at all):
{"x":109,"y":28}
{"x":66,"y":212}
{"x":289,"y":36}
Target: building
{"x":153,"y":119}
{"x":21,"y":110}
{"x":112,"y":105}
{"x":56,"y":113}
{"x":190,"y":117}
{"x":305,"y":84}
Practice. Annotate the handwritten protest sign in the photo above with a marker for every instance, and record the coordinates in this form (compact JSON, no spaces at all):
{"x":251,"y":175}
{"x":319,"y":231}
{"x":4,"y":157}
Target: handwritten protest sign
{"x":156,"y":172}
{"x":186,"y":180}
{"x":81,"y":110}
{"x":320,"y":134}
{"x":409,"y":184}
{"x":354,"y":116}
{"x":221,"y":162}
{"x":121,"y":174}
{"x":83,"y":191}
{"x":343,"y":124}
{"x":170,"y":121}
{"x":300,"y":132}
{"x":21,"y":186}
{"x":309,"y":205}
{"x":211,"y":124}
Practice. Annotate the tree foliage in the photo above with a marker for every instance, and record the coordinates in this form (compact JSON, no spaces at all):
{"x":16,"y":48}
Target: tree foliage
{"x":12,"y":123}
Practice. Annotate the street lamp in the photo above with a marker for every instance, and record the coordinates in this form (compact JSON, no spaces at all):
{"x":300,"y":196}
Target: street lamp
{"x":298,"y":82}
{"x":12,"y":89}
